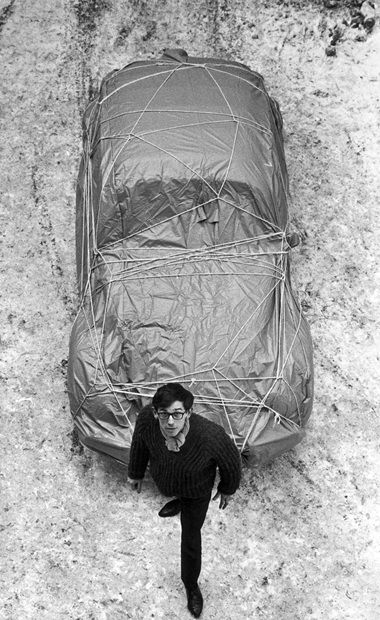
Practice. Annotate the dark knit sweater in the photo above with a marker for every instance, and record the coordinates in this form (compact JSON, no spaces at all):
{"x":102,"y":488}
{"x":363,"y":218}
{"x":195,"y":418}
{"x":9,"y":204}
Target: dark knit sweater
{"x":191,"y":471}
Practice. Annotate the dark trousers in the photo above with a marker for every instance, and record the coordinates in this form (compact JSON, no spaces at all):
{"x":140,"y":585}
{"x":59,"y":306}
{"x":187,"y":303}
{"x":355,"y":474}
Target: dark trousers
{"x":193,"y":514}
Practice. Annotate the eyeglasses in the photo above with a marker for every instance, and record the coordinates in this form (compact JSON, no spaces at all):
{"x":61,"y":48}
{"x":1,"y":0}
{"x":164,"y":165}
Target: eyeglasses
{"x":176,"y":415}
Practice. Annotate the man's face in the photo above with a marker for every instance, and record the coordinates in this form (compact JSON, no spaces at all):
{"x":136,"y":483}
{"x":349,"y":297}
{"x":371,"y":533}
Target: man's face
{"x":171,"y":426}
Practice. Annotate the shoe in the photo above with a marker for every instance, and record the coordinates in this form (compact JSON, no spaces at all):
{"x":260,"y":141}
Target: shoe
{"x":170,"y":509}
{"x":194,"y":601}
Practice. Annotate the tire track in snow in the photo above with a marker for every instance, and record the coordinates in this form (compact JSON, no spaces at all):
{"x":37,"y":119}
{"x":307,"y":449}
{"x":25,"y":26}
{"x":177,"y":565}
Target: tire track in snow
{"x":224,"y":26}
{"x":47,"y":241}
{"x":6,"y":13}
{"x":87,"y":14}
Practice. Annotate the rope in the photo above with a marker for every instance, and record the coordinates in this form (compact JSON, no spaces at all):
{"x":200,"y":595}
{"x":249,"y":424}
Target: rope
{"x":242,"y":119}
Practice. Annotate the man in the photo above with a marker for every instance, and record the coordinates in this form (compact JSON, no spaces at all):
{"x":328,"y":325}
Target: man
{"x":184,"y":451}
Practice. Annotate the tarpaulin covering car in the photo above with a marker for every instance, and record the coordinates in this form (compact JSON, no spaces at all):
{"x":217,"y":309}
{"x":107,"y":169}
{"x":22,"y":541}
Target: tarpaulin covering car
{"x":183,"y":258}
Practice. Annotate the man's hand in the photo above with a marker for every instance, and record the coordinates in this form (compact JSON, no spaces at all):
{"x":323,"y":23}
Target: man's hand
{"x":135,"y":485}
{"x":224,"y":499}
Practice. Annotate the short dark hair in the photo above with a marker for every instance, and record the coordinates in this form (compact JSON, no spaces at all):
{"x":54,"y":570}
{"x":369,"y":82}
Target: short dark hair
{"x":170,"y":392}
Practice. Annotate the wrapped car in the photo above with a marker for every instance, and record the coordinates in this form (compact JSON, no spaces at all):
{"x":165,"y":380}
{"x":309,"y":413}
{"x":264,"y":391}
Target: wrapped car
{"x":183,"y":248}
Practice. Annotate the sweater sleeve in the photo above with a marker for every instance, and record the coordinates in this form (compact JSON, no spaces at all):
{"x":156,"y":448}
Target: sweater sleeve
{"x":139,"y":453}
{"x":229,"y":464}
